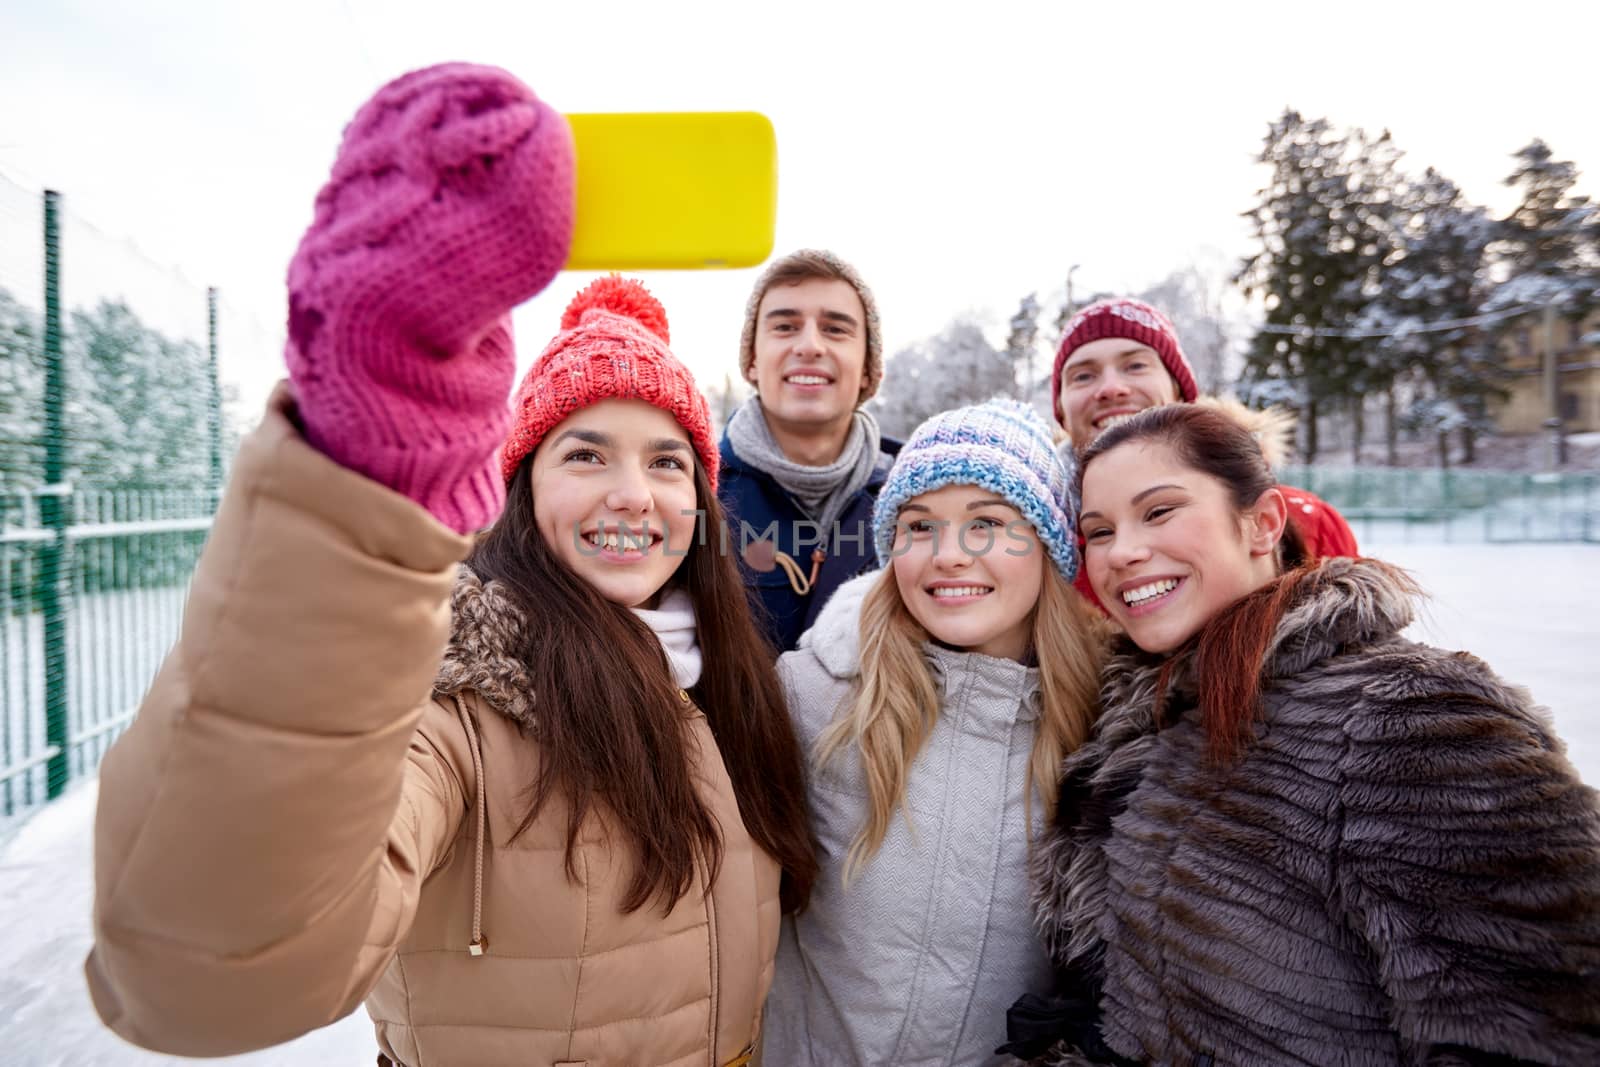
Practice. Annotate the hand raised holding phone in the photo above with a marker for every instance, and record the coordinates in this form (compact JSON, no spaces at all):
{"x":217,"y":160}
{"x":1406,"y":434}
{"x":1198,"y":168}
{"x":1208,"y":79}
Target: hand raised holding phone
{"x":456,"y":195}
{"x":450,"y":203}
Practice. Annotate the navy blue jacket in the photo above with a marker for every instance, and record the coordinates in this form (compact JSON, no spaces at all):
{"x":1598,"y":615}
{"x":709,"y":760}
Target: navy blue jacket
{"x":754,"y":502}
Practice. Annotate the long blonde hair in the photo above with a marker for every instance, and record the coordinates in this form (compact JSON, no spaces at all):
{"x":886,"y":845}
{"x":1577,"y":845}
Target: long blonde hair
{"x":896,"y":702}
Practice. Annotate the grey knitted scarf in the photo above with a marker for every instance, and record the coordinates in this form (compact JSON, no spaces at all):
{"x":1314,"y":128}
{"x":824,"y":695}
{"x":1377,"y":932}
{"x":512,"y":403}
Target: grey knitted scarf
{"x":822,"y":492}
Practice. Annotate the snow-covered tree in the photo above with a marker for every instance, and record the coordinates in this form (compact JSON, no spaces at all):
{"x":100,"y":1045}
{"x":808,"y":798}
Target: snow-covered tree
{"x":1428,"y":296}
{"x":955,"y":367}
{"x":139,"y":404}
{"x":1022,"y":344}
{"x":21,"y":396}
{"x":137,"y":408}
{"x":1324,"y":223}
{"x":1549,"y":248}
{"x":1192,"y":298}
{"x":1551,"y":241}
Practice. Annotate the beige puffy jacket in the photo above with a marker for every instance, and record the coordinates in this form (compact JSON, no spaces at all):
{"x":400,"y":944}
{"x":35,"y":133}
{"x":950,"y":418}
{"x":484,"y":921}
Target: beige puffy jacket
{"x":309,"y":812}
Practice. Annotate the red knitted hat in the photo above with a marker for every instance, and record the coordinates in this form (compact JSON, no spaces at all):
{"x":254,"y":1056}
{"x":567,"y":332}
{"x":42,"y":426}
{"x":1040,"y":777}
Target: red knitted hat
{"x":612,"y":346}
{"x":1131,"y":319}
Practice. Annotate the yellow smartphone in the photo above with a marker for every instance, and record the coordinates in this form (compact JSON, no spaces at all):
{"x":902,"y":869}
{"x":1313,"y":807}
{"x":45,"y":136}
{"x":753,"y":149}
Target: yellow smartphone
{"x":684,"y":190}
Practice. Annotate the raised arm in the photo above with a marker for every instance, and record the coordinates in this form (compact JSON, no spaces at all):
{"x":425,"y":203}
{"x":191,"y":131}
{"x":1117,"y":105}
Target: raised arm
{"x":266,"y":822}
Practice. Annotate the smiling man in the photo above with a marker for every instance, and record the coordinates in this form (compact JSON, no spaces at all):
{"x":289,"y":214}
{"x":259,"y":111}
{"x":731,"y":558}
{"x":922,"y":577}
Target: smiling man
{"x":801,"y":462}
{"x":1120,"y":356}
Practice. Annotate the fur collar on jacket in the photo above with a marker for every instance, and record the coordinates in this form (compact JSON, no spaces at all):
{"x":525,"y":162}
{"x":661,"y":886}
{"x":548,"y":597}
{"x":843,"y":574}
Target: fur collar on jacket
{"x":485,"y":627}
{"x":1343,"y":604}
{"x":835,"y":639}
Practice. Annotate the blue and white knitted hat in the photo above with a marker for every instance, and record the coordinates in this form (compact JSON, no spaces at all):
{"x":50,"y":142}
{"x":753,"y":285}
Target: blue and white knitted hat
{"x":1001,"y":445}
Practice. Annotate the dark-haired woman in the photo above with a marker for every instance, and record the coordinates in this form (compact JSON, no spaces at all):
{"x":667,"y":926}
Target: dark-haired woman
{"x":1297,"y":837}
{"x":543,"y":808}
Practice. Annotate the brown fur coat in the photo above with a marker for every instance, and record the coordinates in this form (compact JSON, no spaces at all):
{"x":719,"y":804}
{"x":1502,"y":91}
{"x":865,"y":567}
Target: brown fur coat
{"x":1402,"y":868}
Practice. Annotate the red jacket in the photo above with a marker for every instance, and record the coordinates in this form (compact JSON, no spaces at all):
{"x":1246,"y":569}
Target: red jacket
{"x":1321,"y":527}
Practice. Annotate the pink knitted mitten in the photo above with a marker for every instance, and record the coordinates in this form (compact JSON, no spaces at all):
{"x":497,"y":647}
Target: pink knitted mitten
{"x":450,"y":203}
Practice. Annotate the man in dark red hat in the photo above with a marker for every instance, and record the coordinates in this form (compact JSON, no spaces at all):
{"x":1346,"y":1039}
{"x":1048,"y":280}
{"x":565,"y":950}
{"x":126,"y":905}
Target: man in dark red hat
{"x":1121,"y":356}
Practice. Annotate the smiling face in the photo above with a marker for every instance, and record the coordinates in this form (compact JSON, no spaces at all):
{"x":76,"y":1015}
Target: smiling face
{"x":969,"y":569}
{"x":1166,"y":548}
{"x":1107,"y":380}
{"x":810,"y":355}
{"x":614,"y":497}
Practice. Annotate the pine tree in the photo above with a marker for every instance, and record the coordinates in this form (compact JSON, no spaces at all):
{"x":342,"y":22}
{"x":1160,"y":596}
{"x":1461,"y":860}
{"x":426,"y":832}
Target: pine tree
{"x":1438,"y":276}
{"x":1324,"y":224}
{"x":138,"y":404}
{"x":1549,"y":245}
{"x":1553,"y":232}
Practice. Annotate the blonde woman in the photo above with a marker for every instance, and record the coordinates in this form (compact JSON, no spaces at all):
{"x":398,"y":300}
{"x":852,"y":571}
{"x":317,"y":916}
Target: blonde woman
{"x":937,"y":698}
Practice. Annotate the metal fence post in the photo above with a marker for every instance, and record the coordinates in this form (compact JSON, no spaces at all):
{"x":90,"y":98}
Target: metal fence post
{"x":1588,"y":508}
{"x":55,"y":503}
{"x":1527,"y":506}
{"x":216,"y":389}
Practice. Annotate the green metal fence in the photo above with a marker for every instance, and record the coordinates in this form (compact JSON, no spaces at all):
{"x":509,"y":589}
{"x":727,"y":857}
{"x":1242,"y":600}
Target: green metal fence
{"x":1384,"y":503}
{"x":113,"y":446}
{"x":87,"y":611}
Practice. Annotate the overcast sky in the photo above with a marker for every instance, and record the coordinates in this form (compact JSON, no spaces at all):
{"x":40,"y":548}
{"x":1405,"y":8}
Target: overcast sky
{"x":961,"y":156}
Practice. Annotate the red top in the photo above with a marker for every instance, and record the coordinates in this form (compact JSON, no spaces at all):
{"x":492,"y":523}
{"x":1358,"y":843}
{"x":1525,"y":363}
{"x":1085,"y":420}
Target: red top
{"x":1321,"y":527}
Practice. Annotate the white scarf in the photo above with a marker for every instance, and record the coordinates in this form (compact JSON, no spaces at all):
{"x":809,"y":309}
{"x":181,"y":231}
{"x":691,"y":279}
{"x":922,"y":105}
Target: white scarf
{"x":674,"y":626}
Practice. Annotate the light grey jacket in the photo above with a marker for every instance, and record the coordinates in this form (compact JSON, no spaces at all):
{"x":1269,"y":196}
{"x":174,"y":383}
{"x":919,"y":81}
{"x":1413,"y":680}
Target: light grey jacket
{"x":915,"y":964}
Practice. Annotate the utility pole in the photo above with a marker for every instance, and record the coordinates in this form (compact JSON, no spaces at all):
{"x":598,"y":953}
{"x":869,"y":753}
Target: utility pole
{"x":1067,"y":310}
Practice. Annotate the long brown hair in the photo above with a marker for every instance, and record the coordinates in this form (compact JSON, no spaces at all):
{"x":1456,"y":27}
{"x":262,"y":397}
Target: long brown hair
{"x":1230,"y":649}
{"x":611,"y":718}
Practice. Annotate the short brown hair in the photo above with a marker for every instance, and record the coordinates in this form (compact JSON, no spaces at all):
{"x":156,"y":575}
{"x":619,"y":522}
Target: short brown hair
{"x":803,"y":266}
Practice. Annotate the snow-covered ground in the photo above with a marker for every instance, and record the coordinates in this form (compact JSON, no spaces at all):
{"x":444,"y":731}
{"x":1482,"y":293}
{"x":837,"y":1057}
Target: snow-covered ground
{"x":1529,"y":610}
{"x":46,"y":1019}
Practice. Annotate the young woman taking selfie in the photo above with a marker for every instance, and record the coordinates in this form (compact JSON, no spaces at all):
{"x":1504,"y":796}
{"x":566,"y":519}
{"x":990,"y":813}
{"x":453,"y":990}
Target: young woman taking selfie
{"x":545,"y":807}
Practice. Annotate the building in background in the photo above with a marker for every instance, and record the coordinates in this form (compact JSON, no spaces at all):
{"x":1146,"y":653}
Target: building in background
{"x":1577,"y":345}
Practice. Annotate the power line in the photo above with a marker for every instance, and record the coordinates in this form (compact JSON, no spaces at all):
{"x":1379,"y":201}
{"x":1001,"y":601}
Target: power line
{"x":1433,"y":327}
